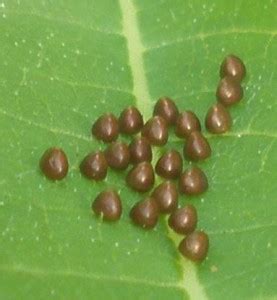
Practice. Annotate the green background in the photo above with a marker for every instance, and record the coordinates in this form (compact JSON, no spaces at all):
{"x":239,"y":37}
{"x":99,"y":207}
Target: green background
{"x":62,"y":64}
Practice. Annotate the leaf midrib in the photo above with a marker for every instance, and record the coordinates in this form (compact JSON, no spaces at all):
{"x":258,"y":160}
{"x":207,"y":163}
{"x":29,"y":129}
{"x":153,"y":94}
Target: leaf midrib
{"x":143,"y":101}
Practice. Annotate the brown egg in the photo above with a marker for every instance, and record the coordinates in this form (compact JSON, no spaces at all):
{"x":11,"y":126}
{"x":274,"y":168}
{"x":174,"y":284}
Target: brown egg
{"x":166,"y":196}
{"x":130,"y":120}
{"x":117,"y":155}
{"x":195,"y":246}
{"x":186,"y":123}
{"x":145,"y":213}
{"x":167,"y":109}
{"x":108,"y":205}
{"x":234,"y":67}
{"x":54,"y":164}
{"x":193,"y":181}
{"x":169,"y":165}
{"x":94,"y":166}
{"x":197,"y":147}
{"x":140,"y":150}
{"x":183,"y":220}
{"x":229,"y":91}
{"x":218,"y":119}
{"x":155,"y":130}
{"x":106,"y":128}
{"x":141,"y":177}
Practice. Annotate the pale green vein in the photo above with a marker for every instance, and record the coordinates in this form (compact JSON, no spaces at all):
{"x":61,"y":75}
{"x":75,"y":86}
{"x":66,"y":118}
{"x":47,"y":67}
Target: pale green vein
{"x":58,"y":21}
{"x":240,"y":134}
{"x":244,"y":230}
{"x":135,"y":50}
{"x":88,"y":139}
{"x":44,"y":127}
{"x":85,"y":84}
{"x":205,"y":35}
{"x":236,"y":134}
{"x":190,"y":282}
{"x":37,"y":272}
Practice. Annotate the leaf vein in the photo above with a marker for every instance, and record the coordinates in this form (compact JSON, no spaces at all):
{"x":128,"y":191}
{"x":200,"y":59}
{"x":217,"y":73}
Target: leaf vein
{"x":87,"y":85}
{"x":41,"y":126}
{"x":244,"y":230}
{"x":205,"y":35}
{"x":36,"y":272}
{"x":61,"y":21}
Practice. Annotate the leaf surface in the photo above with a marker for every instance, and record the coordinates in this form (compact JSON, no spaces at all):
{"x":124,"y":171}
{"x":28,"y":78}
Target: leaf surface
{"x":63,"y":63}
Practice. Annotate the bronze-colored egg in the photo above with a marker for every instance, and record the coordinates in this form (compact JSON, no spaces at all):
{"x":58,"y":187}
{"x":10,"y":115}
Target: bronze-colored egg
{"x":218,"y":119}
{"x":234,"y":67}
{"x":169,"y":165}
{"x":229,"y":91}
{"x":117,"y":155}
{"x":195,"y":246}
{"x":166,"y":196}
{"x":141,"y":177}
{"x":54,"y":164}
{"x":193,"y":181}
{"x":130,"y":120}
{"x":140,"y":150}
{"x":155,"y":130}
{"x":94,"y":166}
{"x":145,"y":213}
{"x":167,"y":109}
{"x":106,"y":128}
{"x":183,"y":220}
{"x":186,"y":123}
{"x":108,"y":205}
{"x":197,"y":147}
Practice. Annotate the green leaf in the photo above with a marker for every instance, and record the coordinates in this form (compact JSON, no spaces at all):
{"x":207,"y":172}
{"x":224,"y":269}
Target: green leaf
{"x":63,"y":63}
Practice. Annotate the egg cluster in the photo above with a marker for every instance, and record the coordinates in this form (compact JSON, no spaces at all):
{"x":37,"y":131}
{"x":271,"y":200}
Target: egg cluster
{"x":163,"y":199}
